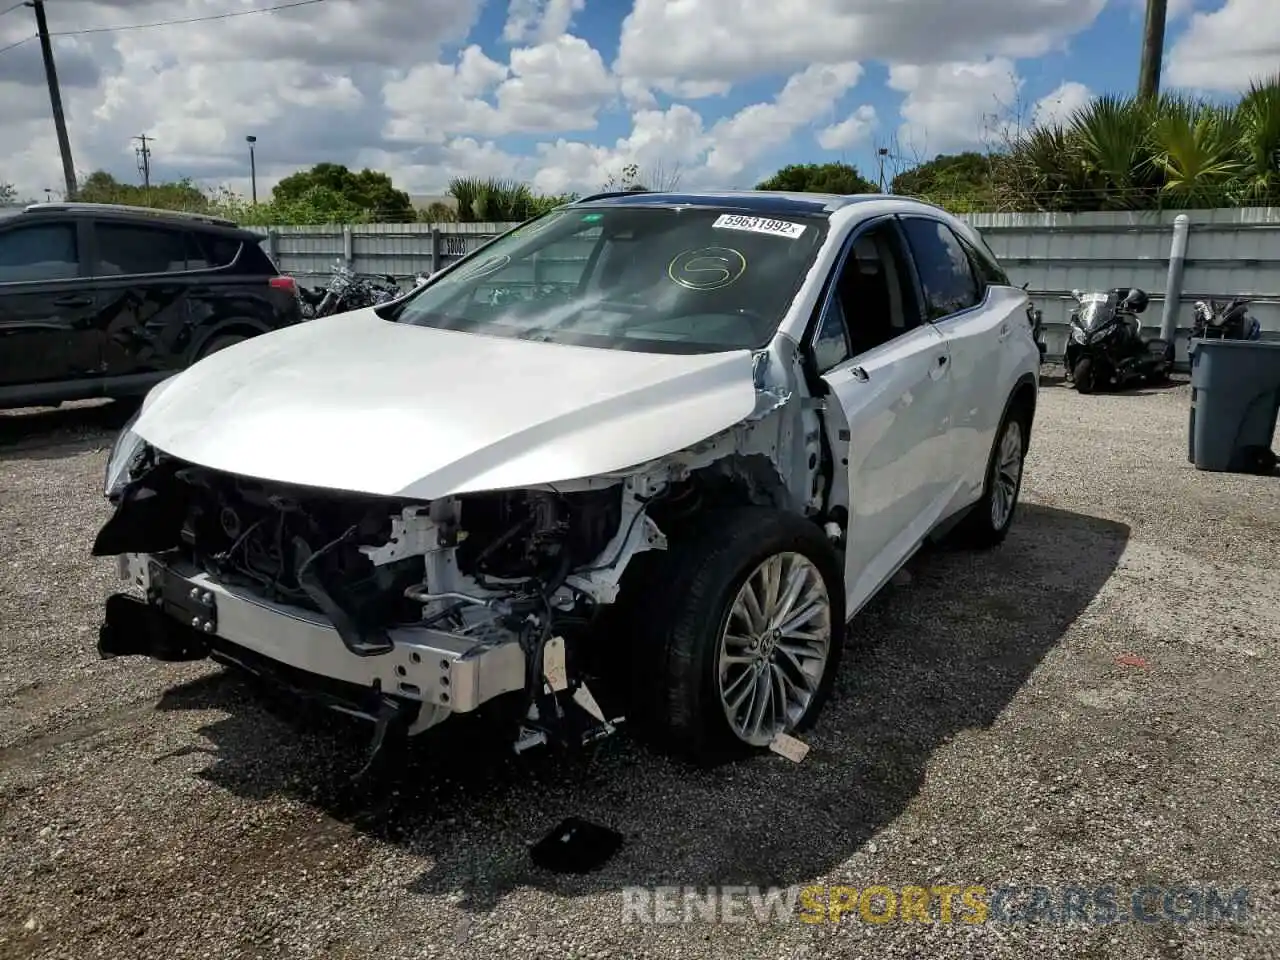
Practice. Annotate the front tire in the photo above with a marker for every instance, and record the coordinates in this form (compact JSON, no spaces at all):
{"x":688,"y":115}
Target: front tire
{"x":744,"y":634}
{"x":1084,"y":375}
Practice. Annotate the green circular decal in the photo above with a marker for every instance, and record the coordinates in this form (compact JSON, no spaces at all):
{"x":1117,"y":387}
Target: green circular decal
{"x":707,"y":268}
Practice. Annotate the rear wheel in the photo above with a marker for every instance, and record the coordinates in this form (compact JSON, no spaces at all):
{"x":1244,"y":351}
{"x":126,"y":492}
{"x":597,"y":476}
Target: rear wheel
{"x":219,"y":343}
{"x":991,"y":517}
{"x":745,"y":624}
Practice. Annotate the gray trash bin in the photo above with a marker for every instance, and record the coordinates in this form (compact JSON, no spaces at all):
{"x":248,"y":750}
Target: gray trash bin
{"x":1235,"y":394}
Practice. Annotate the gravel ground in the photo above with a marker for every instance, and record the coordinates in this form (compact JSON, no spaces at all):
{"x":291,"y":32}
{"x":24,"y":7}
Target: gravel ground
{"x":1092,"y":703}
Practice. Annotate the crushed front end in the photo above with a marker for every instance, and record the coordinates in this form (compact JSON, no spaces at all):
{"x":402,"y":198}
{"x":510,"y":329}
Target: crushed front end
{"x":402,"y":612}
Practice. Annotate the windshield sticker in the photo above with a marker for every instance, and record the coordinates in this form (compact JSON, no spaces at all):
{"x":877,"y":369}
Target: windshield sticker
{"x":707,"y":268}
{"x":592,"y":217}
{"x":774,"y":228}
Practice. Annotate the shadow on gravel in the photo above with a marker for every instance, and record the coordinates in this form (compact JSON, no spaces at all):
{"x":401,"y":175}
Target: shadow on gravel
{"x":926,"y":661}
{"x":29,"y":432}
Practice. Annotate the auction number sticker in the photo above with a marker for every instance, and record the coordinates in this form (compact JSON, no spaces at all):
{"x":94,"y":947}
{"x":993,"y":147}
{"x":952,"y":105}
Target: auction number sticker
{"x":775,"y":228}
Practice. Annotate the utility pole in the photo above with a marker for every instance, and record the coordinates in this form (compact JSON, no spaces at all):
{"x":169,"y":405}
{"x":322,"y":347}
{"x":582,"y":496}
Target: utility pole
{"x":881,"y":154}
{"x":1152,"y":49}
{"x":55,"y":98}
{"x":144,"y":160}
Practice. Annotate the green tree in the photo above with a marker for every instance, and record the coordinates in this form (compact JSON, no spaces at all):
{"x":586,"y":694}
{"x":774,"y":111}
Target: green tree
{"x":368,"y":190}
{"x":958,"y":179}
{"x":8,"y":195}
{"x":499,"y":201}
{"x":839,"y":178}
{"x":102,"y":187}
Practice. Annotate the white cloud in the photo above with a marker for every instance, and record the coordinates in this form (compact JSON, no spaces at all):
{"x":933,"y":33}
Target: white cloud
{"x":851,"y":131}
{"x":668,"y":43}
{"x":1226,"y":48}
{"x":953,"y":106}
{"x":559,"y":85}
{"x":1057,"y":107}
{"x":756,"y":129}
{"x":540,"y":21}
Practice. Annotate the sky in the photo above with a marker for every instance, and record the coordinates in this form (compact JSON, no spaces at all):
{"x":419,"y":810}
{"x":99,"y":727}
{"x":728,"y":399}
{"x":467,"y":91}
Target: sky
{"x":562,"y":94}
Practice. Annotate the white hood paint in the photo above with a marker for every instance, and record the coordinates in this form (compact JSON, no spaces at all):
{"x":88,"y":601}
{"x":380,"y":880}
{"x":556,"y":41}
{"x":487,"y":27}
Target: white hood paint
{"x":354,"y":402}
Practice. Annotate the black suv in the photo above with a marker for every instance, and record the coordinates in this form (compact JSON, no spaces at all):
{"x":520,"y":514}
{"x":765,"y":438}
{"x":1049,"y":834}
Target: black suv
{"x":98,"y":300}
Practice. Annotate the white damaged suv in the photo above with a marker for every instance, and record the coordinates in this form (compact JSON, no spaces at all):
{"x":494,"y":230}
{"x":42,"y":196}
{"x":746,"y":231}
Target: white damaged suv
{"x":641,"y":457}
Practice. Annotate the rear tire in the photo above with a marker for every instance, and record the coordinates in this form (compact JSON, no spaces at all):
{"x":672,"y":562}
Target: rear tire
{"x":700,"y":656}
{"x":1083,"y":376}
{"x":989,"y":520}
{"x":219,"y":343}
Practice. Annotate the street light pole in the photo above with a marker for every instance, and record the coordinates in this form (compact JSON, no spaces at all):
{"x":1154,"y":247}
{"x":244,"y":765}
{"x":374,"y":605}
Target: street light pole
{"x":253,"y":169}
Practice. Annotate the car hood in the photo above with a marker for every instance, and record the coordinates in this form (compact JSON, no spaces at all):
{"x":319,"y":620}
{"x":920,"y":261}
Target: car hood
{"x":354,"y":402}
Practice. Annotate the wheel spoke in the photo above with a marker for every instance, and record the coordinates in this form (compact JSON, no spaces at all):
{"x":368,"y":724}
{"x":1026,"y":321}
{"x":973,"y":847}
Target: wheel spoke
{"x":797,"y":580}
{"x":800,"y":619}
{"x":751,"y":601}
{"x":735,"y":701}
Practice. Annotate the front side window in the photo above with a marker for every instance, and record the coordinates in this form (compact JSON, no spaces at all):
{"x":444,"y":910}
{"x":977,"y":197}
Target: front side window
{"x":945,"y":272}
{"x":652,"y":279}
{"x":125,"y":249}
{"x":46,"y":251}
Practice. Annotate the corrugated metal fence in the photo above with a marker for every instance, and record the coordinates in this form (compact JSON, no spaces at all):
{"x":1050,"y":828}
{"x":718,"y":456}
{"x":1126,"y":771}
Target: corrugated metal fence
{"x":1229,"y":253}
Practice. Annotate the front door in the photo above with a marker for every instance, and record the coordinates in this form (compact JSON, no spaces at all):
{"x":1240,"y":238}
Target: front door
{"x":976,"y":315}
{"x":888,"y":430}
{"x":46,"y":306}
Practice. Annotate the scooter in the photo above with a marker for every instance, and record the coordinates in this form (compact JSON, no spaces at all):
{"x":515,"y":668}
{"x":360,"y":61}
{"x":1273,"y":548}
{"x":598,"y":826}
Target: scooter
{"x":1106,"y":348}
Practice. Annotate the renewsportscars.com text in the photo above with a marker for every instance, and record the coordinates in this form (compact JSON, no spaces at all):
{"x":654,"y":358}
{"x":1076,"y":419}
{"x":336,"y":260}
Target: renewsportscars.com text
{"x":936,"y":903}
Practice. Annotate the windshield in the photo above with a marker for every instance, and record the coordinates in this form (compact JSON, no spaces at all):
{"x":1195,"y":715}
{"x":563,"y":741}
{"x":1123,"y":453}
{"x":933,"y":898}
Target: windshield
{"x":1096,"y":309}
{"x":653,"y":279}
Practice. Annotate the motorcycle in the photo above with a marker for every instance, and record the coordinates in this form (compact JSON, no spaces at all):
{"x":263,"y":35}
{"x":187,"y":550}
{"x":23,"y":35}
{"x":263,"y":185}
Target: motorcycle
{"x":1037,"y":330}
{"x":1230,"y":321}
{"x":1106,"y":347}
{"x":348,"y":290}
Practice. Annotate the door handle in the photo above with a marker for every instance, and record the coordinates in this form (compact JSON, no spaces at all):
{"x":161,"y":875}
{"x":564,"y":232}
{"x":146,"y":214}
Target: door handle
{"x":73,"y":300}
{"x":860,"y":374}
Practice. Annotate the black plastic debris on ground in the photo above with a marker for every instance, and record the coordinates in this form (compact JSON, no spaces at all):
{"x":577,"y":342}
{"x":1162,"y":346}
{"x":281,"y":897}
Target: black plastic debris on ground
{"x":576,"y":846}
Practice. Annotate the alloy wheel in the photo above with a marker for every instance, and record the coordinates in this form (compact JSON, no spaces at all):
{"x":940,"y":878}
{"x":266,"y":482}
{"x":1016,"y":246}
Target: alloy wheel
{"x":774,"y":648}
{"x":1008,"y":474}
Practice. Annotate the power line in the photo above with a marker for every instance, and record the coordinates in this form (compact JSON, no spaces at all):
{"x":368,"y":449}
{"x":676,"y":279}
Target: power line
{"x":18,"y":43}
{"x":170,"y":23}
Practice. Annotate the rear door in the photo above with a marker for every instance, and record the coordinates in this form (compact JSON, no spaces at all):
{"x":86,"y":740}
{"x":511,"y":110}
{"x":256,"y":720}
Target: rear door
{"x":142,"y":314}
{"x":889,"y":372}
{"x":975,"y":324}
{"x":46,"y":304}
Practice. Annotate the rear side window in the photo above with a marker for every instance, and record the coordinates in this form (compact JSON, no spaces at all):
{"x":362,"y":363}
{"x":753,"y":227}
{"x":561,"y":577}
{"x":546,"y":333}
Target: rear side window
{"x":253,"y":260}
{"x":46,"y":251}
{"x":127,"y":249}
{"x":946,"y":275}
{"x":207,"y":251}
{"x":985,"y":264}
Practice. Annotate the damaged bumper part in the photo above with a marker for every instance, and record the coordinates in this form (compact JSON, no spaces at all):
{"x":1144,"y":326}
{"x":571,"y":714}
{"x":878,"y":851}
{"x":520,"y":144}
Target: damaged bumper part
{"x":186,"y":615}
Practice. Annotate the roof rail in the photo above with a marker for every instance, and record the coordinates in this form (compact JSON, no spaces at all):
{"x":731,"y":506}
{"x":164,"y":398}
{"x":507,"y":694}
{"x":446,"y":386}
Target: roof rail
{"x":613,"y":193}
{"x":71,"y":206}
